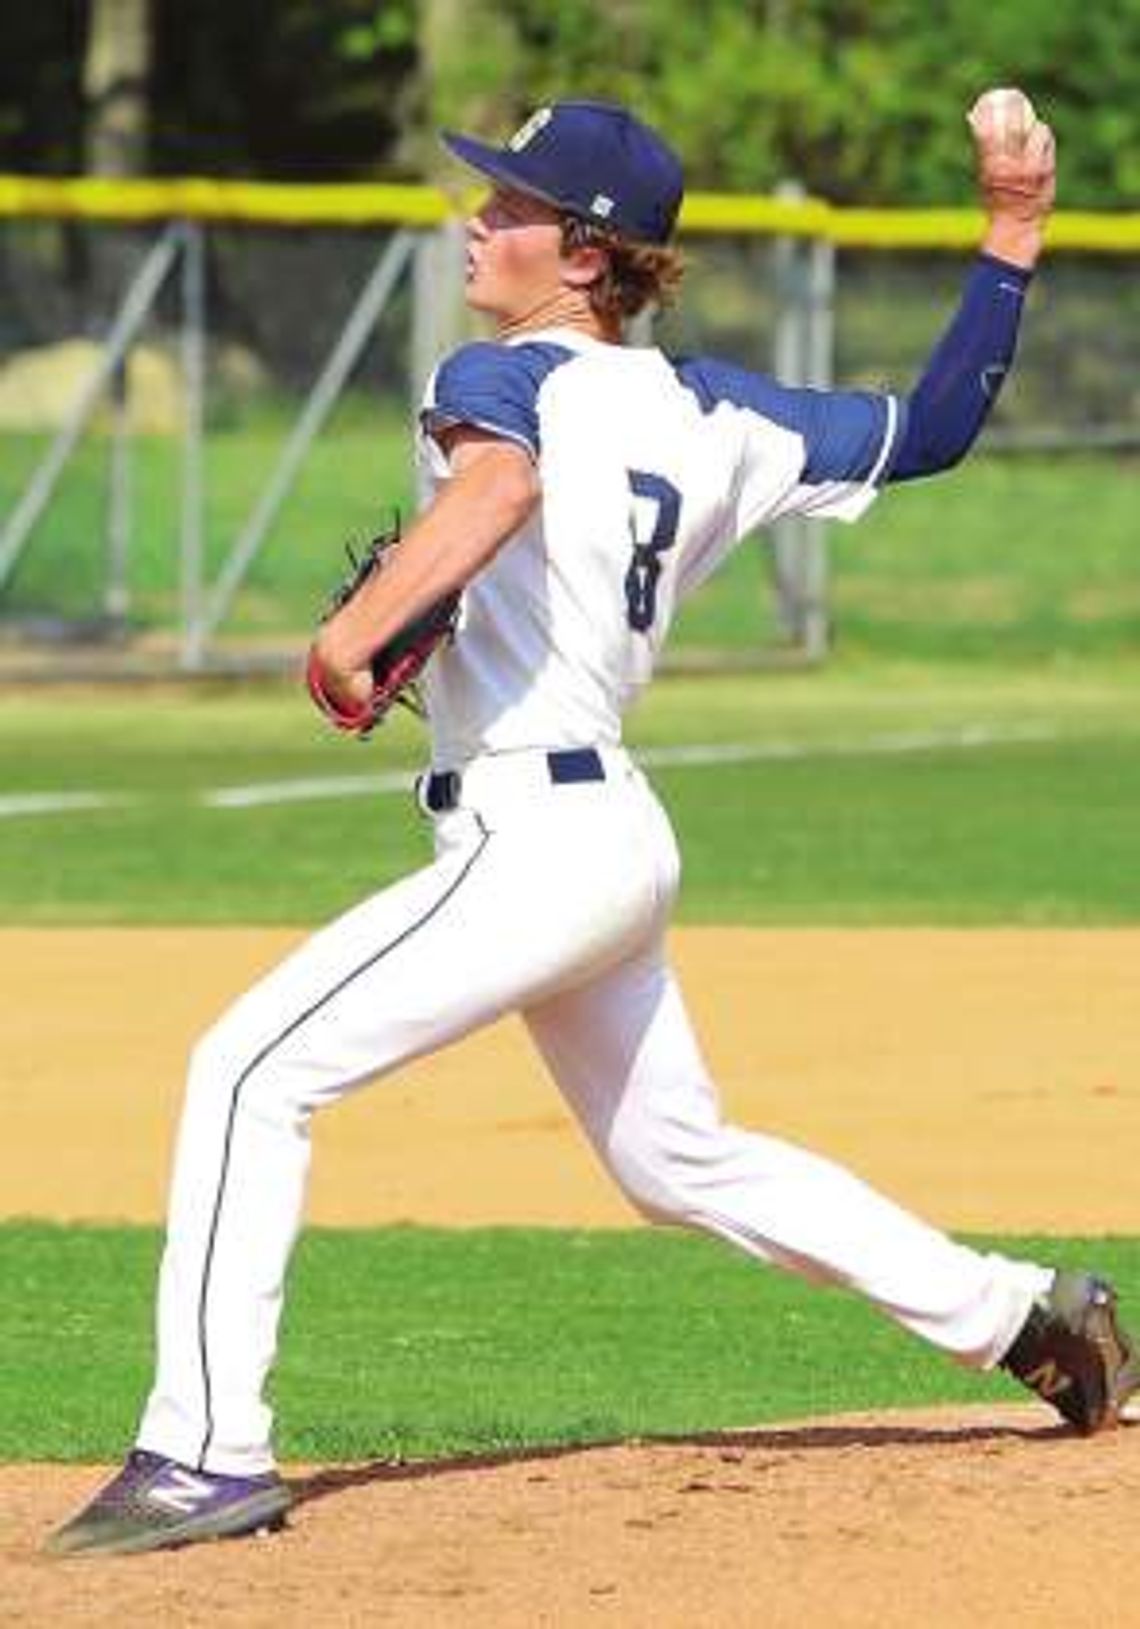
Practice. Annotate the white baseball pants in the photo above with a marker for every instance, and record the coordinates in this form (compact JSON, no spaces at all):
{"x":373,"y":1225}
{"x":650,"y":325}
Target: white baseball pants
{"x":551,"y":899}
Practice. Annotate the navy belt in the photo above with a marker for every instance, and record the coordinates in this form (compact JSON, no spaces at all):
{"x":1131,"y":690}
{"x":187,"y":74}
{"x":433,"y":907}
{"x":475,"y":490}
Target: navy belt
{"x":440,"y":790}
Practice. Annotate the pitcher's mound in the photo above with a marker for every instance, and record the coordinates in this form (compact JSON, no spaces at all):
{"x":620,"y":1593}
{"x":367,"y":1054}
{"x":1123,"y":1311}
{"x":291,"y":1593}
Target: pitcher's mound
{"x":982,"y":1515}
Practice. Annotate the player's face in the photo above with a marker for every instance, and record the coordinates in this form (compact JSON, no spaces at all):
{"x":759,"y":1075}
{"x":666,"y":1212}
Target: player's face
{"x":514,"y":258}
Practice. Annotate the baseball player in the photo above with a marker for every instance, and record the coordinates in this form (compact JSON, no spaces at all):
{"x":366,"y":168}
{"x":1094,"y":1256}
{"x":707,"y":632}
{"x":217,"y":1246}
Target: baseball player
{"x":581,"y":490}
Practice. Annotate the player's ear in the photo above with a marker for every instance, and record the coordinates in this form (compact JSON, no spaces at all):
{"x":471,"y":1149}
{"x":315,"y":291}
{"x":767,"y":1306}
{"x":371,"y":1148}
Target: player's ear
{"x":583,"y":264}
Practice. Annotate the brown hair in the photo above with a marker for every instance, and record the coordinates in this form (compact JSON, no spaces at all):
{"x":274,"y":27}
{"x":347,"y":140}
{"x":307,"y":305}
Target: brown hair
{"x":635,"y":274}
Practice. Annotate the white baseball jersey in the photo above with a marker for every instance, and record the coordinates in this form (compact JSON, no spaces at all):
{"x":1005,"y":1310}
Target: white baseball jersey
{"x":651,"y":470}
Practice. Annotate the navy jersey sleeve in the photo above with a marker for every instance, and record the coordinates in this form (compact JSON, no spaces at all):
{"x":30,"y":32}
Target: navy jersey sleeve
{"x":961,"y":381}
{"x":492,"y":387}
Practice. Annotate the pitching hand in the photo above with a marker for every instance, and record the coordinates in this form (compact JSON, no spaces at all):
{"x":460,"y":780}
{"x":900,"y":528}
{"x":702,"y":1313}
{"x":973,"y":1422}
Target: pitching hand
{"x":1016,"y":164}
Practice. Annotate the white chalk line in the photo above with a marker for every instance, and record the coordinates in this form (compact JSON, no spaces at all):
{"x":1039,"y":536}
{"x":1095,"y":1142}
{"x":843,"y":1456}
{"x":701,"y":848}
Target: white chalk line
{"x":698,"y":755}
{"x":41,"y":803}
{"x":306,"y":789}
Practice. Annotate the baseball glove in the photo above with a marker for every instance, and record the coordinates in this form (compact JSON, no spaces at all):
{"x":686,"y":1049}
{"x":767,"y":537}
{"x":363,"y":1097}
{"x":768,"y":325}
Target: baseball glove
{"x":397,"y":664}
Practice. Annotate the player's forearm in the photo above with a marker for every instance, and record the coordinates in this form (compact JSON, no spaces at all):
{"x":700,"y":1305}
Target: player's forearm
{"x":957,"y":390}
{"x":1016,"y":164}
{"x":473,"y":515}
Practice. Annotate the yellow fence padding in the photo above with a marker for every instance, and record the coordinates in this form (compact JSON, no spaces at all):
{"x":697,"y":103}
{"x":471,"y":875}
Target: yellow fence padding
{"x":383,"y":204}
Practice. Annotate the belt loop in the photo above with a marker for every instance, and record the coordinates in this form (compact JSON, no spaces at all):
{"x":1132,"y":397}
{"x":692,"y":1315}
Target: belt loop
{"x":438,"y":792}
{"x":570,"y":764}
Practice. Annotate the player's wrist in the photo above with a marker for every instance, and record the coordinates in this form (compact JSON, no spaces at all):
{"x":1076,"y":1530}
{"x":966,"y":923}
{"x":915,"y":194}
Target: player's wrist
{"x":341,"y":655}
{"x":337,"y":700}
{"x":342,"y":674}
{"x":1017,"y":242}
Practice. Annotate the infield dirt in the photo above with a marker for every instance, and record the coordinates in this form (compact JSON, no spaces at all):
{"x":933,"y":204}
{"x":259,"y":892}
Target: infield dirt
{"x":991,"y":1079}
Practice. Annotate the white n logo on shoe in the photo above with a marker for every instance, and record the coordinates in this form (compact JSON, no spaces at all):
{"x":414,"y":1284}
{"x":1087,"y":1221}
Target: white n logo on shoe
{"x":1048,"y":1381}
{"x":181,"y":1491}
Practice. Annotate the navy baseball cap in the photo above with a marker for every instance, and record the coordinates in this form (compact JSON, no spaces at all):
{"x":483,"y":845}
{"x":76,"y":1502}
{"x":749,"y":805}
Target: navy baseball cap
{"x":590,"y":159}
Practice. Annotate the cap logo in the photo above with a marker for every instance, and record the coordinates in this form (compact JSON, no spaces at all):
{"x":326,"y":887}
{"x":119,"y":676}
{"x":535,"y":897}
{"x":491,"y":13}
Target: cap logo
{"x":602,"y":206}
{"x":526,"y":133}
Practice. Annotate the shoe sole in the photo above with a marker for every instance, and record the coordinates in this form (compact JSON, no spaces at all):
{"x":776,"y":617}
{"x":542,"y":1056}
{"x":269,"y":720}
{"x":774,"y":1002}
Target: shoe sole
{"x":1123,"y":1376}
{"x":262,"y":1512}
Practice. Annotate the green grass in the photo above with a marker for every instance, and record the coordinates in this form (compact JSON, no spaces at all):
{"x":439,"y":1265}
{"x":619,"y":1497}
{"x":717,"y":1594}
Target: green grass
{"x":409,"y":1341}
{"x":1005,"y":560}
{"x":356,"y":472}
{"x":1021,"y":559}
{"x":1022,"y":829}
{"x":1003,"y":599}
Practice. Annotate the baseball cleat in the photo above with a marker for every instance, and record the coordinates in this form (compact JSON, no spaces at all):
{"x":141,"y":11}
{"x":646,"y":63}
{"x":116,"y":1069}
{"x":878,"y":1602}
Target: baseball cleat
{"x":1074,"y":1354}
{"x":157,"y":1504}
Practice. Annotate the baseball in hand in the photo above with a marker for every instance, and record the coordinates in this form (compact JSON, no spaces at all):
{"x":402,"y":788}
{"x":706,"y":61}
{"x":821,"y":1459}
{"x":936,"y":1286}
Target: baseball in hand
{"x":1003,"y":119}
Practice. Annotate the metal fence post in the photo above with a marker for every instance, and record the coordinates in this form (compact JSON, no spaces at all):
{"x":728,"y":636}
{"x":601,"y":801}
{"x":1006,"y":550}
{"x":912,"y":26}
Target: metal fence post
{"x":136,"y":306}
{"x":192,"y":510}
{"x":359,"y":324}
{"x":639,"y":330}
{"x":820,"y":347}
{"x":116,"y":588}
{"x":440,"y":320}
{"x":804,"y":276}
{"x":439,"y":315}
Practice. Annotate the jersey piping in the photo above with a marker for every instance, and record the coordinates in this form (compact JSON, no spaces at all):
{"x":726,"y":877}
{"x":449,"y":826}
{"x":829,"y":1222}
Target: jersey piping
{"x":235,"y":1098}
{"x":495,"y":388}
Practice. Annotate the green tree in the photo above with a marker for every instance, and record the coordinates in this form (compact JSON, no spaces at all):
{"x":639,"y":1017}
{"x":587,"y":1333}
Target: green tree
{"x":41,"y":97}
{"x":288,"y":89}
{"x":860,"y":99}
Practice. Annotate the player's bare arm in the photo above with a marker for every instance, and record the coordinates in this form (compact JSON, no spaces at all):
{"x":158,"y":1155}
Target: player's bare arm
{"x":493,"y":489}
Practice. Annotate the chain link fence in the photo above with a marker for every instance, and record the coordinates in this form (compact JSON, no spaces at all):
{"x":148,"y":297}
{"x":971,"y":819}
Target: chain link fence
{"x":193,"y":416}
